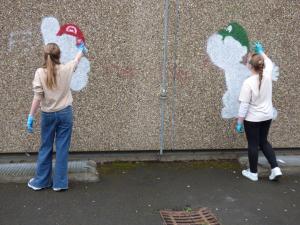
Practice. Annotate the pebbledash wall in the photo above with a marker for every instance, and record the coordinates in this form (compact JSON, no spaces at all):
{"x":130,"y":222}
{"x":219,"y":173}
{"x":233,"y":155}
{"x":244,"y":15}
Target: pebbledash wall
{"x":117,"y":87}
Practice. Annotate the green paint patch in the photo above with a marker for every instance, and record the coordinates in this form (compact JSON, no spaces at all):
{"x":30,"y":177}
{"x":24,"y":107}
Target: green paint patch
{"x":236,"y":31}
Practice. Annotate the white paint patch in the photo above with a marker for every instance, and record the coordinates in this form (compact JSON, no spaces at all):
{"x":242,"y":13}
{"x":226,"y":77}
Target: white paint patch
{"x":275,"y":72}
{"x":228,"y":54}
{"x":17,"y":38}
{"x":67,"y":44}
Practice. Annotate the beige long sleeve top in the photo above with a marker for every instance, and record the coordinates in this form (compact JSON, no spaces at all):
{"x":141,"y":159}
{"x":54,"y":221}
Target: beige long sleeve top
{"x":260,"y":101}
{"x":59,"y":97}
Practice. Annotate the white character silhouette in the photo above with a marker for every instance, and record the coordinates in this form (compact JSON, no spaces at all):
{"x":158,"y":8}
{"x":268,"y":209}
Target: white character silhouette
{"x":226,"y":50}
{"x":67,"y":44}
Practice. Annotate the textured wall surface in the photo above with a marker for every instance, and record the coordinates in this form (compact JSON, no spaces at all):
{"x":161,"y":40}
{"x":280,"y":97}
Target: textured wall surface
{"x":119,"y":108}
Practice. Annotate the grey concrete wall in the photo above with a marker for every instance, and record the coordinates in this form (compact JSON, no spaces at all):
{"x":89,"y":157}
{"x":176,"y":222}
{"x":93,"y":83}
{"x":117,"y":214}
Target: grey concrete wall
{"x":119,"y":108}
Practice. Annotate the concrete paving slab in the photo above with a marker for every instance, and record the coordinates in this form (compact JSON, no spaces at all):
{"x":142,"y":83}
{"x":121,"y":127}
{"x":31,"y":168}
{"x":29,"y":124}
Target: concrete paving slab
{"x":22,"y":172}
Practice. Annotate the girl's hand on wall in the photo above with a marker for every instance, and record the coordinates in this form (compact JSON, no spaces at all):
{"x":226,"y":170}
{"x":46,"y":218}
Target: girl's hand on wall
{"x":258,"y":48}
{"x":82,"y":48}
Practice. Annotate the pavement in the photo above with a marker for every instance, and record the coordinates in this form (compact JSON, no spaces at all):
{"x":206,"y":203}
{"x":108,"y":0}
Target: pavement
{"x":289,"y":164}
{"x":133,"y":194}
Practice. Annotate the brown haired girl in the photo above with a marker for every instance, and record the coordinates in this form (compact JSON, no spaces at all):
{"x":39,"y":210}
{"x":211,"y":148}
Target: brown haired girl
{"x":51,"y":86}
{"x":256,"y":113}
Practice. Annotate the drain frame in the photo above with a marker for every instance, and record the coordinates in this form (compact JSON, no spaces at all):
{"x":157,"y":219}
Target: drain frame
{"x":201,"y":216}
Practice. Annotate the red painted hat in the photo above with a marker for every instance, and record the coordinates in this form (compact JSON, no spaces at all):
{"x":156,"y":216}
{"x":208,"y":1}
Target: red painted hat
{"x":72,"y":29}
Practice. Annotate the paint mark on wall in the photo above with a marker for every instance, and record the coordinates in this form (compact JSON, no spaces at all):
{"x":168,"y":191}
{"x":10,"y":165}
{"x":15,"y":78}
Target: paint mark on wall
{"x":126,"y":72}
{"x":227,"y":49}
{"x":183,"y":77}
{"x":18,"y":38}
{"x":129,"y":72}
{"x":67,"y":43}
{"x":73,"y":30}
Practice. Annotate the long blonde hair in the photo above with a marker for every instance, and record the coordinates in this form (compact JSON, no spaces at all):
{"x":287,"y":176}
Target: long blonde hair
{"x":258,"y":64}
{"x":51,"y":59}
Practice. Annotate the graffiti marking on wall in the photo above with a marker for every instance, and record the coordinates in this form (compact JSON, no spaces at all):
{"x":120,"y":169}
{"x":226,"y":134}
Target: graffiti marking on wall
{"x":67,"y":43}
{"x":183,"y":77}
{"x":227,"y":49}
{"x":17,"y":38}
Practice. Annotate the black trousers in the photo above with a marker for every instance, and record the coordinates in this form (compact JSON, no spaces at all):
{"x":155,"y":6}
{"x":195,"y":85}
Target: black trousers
{"x":257,"y":137}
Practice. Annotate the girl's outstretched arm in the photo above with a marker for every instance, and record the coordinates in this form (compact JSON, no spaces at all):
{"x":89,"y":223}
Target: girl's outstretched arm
{"x":82,"y":51}
{"x":259,"y":49}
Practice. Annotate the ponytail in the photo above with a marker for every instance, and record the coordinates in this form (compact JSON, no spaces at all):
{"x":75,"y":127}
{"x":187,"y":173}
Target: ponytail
{"x":51,"y":59}
{"x":51,"y":73}
{"x":258,"y":65}
{"x":260,"y":73}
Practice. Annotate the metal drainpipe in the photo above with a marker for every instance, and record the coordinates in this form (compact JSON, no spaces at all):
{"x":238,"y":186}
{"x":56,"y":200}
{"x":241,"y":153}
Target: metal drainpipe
{"x":174,"y":75}
{"x":163,"y":91}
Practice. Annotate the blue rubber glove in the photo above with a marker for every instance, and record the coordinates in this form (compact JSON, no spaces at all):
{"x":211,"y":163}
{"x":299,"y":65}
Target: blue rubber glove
{"x":239,"y":127}
{"x":81,"y":47}
{"x":258,"y":48}
{"x":30,"y":121}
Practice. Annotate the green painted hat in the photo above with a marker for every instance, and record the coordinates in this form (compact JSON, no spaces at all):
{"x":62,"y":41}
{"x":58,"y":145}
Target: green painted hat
{"x":236,"y":31}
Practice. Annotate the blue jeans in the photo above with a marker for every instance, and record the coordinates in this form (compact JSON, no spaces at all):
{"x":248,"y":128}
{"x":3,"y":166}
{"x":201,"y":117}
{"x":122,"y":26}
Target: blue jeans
{"x":55,"y":127}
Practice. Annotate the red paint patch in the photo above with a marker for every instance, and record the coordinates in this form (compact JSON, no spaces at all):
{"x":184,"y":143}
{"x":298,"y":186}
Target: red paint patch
{"x":73,"y":30}
{"x":182,"y":76}
{"x":123,"y":72}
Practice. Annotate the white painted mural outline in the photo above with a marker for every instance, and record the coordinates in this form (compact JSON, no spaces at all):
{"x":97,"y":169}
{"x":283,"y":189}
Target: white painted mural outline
{"x":227,"y":49}
{"x":67,"y":44}
{"x":18,"y":37}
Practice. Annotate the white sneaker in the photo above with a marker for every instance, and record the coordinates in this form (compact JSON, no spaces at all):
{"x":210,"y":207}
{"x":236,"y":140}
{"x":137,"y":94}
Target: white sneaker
{"x":275,"y":173}
{"x":60,"y":189}
{"x":31,"y":186}
{"x":249,"y":175}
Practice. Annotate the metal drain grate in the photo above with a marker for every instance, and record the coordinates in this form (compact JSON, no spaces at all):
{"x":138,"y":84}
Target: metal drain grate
{"x":202,"y":216}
